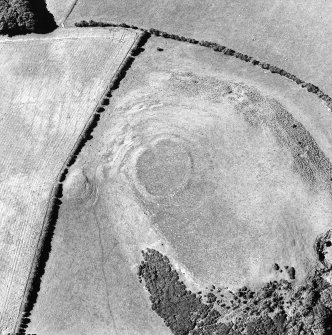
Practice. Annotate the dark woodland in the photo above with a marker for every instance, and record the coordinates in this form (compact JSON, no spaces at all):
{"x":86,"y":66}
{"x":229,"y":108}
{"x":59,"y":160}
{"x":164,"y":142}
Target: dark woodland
{"x":25,"y":16}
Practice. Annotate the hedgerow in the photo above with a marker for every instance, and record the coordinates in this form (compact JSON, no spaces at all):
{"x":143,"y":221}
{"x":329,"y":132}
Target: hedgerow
{"x":45,"y":242}
{"x":219,"y":48}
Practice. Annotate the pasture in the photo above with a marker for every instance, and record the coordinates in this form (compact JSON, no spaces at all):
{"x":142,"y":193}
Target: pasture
{"x":60,"y":9}
{"x":219,"y":165}
{"x":49,"y":90}
{"x":288,"y":34}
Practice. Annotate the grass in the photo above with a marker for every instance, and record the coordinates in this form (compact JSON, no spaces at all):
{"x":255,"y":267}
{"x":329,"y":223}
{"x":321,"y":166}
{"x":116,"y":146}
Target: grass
{"x":52,"y":87}
{"x":249,"y":197}
{"x":60,"y":9}
{"x":289,"y":35}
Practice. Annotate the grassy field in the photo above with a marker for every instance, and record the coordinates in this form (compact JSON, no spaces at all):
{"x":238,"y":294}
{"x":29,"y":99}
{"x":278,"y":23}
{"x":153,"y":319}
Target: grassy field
{"x":60,"y":9}
{"x":288,"y":34}
{"x":217,"y":164}
{"x":51,"y":85}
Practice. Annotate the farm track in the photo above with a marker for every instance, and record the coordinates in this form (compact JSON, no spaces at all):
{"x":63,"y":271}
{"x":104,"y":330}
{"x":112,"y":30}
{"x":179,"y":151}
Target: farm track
{"x":38,"y":39}
{"x":11,"y":40}
{"x":311,"y":88}
{"x":44,"y":242}
{"x":74,"y":3}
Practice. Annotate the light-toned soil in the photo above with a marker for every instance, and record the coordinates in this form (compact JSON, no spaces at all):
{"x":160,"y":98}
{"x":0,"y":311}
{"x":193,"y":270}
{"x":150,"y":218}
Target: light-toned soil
{"x":217,"y":164}
{"x":294,"y":35}
{"x":50,"y":86}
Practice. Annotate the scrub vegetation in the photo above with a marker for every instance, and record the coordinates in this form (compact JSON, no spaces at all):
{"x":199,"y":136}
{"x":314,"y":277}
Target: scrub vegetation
{"x":173,"y":115}
{"x":275,"y":309}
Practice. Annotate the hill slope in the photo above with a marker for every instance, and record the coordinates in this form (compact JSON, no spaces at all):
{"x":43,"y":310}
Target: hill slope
{"x":45,"y":106}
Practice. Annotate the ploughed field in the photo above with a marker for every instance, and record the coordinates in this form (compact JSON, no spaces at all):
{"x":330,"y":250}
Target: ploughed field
{"x":220,"y":173}
{"x":50,"y":88}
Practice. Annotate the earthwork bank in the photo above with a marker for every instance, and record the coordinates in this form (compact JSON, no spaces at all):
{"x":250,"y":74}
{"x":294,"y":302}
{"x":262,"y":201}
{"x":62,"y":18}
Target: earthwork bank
{"x":220,"y":173}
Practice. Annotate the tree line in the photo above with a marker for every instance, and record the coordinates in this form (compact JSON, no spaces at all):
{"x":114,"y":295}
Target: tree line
{"x":44,"y":246}
{"x":218,"y":48}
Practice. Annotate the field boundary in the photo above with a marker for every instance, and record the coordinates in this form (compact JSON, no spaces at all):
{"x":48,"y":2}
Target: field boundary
{"x":43,"y":249}
{"x":72,"y":6}
{"x":311,"y":88}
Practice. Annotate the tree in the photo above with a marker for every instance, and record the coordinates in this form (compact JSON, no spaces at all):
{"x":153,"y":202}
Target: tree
{"x":25,"y":16}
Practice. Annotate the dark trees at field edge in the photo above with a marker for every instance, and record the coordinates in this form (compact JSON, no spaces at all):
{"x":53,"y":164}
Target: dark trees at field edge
{"x":25,"y":16}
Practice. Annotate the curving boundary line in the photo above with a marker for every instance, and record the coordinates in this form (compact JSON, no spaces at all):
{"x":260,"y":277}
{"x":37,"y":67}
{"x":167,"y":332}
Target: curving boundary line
{"x":44,"y":242}
{"x":311,"y":88}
